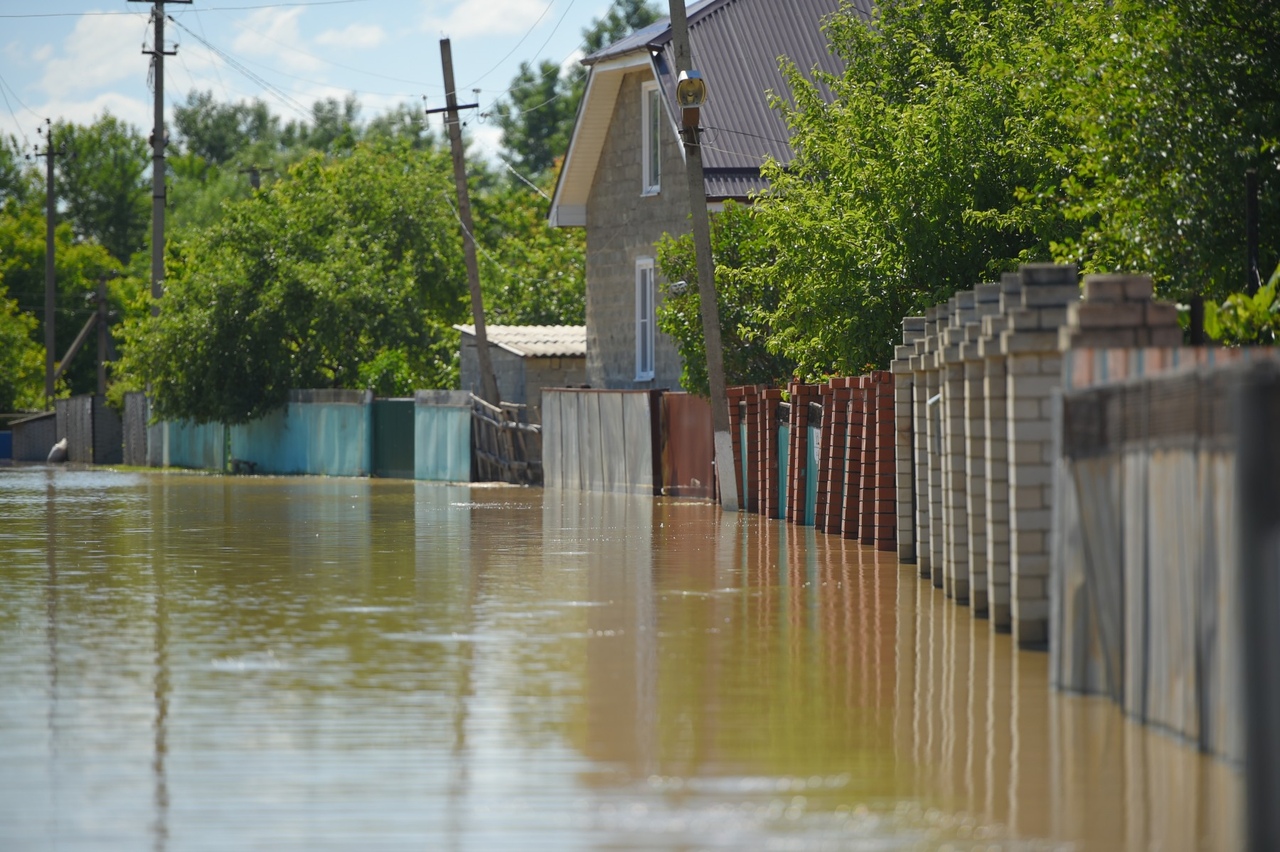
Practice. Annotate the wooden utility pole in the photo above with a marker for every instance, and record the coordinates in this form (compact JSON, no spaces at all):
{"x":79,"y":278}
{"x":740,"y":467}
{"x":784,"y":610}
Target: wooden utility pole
{"x":50,"y":288}
{"x":710,"y":311}
{"x":159,"y":139}
{"x":488,"y":383}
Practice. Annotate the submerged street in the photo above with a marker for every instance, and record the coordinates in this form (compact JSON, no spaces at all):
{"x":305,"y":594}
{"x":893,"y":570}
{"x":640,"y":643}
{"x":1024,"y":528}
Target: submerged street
{"x":202,"y":662}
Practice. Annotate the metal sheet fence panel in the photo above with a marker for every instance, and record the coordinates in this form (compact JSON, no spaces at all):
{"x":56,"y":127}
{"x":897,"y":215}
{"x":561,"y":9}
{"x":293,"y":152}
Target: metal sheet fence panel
{"x":33,"y":437}
{"x":613,"y":443}
{"x":442,"y":443}
{"x":571,"y":446}
{"x":75,"y":423}
{"x":324,"y":438}
{"x":393,"y":438}
{"x":552,"y":436}
{"x":637,"y":417}
{"x":688,"y":446}
{"x":199,"y":447}
{"x":592,"y":444}
{"x":108,"y":433}
{"x":134,"y":439}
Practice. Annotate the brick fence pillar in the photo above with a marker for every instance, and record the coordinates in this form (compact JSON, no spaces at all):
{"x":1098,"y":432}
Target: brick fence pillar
{"x":955,"y":523}
{"x":769,"y":451}
{"x":886,"y":526}
{"x":905,"y":427}
{"x":935,"y":319}
{"x":995,"y":421}
{"x":920,"y":417}
{"x":1034,"y":371}
{"x":851,"y":514}
{"x":986,"y":303}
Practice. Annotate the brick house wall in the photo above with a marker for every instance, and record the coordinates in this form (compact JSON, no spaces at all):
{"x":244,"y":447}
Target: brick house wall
{"x":623,"y":225}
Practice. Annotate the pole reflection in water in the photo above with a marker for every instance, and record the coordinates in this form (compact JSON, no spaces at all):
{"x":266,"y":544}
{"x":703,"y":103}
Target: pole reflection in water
{"x":196,"y":661}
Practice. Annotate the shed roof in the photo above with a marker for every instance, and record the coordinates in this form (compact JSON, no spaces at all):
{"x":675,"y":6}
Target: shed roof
{"x":736,"y":44}
{"x":537,"y":341}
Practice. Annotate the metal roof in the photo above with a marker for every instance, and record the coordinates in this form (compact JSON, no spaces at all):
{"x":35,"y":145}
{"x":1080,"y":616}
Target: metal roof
{"x":535,"y":341}
{"x":737,"y":45}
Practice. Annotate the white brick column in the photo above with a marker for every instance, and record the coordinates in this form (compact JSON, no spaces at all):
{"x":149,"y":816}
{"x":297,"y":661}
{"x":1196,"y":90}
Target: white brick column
{"x":1034,"y":371}
{"x":996,"y":451}
{"x":905,"y":428}
{"x":920,"y":419}
{"x":986,"y":303}
{"x":933,"y":384}
{"x":954,"y":470}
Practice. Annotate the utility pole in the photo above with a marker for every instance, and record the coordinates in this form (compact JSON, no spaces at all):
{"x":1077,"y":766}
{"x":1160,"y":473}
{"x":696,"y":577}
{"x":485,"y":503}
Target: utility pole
{"x":158,"y":141}
{"x":50,"y":288}
{"x":710,"y":311}
{"x":488,"y":384}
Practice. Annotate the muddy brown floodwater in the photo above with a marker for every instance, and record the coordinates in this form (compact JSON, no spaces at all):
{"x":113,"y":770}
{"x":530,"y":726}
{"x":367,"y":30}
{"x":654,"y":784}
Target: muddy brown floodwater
{"x":198,"y":662}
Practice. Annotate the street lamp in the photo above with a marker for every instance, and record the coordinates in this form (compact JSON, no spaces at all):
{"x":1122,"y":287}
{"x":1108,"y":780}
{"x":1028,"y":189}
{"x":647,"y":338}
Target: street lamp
{"x":691,"y":94}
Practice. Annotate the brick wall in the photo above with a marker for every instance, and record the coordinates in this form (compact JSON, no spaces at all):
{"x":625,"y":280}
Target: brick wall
{"x":623,"y":225}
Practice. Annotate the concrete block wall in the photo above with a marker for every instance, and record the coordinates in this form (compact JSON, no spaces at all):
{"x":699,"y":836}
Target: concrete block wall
{"x":986,"y":303}
{"x":955,"y":524}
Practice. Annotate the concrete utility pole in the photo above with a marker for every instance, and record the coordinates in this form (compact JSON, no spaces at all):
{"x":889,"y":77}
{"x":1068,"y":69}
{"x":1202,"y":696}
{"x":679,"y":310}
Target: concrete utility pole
{"x":50,"y":288}
{"x":488,"y":383}
{"x":710,"y":311}
{"x":158,"y":141}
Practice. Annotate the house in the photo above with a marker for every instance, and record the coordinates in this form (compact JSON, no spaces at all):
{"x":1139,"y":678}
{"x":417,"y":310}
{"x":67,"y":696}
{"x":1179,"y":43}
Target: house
{"x":526,"y":359}
{"x":623,"y":178}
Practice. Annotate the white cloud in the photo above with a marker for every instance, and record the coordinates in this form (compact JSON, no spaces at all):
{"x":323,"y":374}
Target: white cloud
{"x":362,"y":36}
{"x":485,"y":17}
{"x":266,"y":32}
{"x":101,"y":50}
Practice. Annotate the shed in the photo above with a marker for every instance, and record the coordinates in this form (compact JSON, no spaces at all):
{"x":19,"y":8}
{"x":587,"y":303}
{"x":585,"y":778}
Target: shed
{"x":526,"y":359}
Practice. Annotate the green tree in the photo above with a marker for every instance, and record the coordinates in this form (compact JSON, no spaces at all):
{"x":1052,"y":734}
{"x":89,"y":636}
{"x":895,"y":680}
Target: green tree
{"x":345,"y":273}
{"x":77,"y":268}
{"x":1169,"y":104}
{"x":21,"y":359}
{"x":17,"y":179}
{"x":924,"y":173}
{"x":103,"y":183}
{"x":746,"y":302}
{"x":221,"y":132}
{"x":532,"y":274}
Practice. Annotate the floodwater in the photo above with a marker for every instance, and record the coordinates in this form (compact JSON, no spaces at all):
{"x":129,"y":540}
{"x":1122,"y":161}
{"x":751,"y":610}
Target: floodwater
{"x":197,"y":662}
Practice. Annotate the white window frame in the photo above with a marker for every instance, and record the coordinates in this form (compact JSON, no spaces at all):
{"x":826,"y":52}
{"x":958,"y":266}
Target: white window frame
{"x":651,"y":120}
{"x":646,"y":319}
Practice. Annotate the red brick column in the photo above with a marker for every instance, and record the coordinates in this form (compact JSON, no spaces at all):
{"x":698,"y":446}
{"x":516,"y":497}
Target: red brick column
{"x":851,"y":516}
{"x":801,"y":396}
{"x":886,"y":516}
{"x":825,"y":397}
{"x":835,"y":430}
{"x":867,"y":487}
{"x":751,"y":411}
{"x":769,"y":451}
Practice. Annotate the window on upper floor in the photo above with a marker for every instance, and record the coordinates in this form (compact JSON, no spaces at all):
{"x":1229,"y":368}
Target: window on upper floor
{"x":646,"y":293}
{"x":651,"y":142}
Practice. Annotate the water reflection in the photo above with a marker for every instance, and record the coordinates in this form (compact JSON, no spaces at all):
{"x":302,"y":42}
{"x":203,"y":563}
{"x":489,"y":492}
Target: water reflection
{"x":191,"y":662}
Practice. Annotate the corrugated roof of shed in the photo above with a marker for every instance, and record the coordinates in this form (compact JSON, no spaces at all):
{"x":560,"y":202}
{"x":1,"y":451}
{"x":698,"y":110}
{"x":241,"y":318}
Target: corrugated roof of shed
{"x":536,"y":341}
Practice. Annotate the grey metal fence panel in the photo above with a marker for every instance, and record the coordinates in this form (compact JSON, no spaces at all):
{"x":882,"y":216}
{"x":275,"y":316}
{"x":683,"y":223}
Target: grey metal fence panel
{"x":613,"y":445}
{"x":638,"y":433}
{"x":134,"y":428}
{"x":33,"y":437}
{"x":108,"y":433}
{"x":552,"y":435}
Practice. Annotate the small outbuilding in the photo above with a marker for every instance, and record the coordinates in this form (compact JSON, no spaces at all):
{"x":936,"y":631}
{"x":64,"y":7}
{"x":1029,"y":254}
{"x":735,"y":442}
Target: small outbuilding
{"x":526,"y":359}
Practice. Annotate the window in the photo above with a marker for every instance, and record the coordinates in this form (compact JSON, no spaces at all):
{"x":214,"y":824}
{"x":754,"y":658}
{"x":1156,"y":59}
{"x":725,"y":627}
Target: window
{"x":651,"y":122}
{"x":645,"y":335}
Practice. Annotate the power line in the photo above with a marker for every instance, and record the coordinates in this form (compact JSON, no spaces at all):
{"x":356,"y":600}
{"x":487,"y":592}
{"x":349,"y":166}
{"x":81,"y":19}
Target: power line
{"x":533,"y":27}
{"x":279,"y":93}
{"x":208,"y":9}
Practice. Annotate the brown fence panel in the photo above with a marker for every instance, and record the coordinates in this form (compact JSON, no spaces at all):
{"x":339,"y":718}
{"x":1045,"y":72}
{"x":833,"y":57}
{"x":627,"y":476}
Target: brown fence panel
{"x":687,"y":446}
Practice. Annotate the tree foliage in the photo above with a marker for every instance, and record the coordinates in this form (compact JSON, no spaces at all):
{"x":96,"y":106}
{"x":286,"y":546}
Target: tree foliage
{"x":1169,"y":103}
{"x":21,"y":359}
{"x":746,"y":302}
{"x":103,"y":183}
{"x":346,"y":274}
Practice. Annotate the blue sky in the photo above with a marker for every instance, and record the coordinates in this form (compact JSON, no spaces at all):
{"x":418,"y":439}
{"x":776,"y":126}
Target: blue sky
{"x":73,"y":60}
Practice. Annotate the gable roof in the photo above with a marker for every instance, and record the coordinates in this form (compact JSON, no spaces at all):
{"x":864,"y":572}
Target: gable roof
{"x":736,"y":44}
{"x":535,"y":341}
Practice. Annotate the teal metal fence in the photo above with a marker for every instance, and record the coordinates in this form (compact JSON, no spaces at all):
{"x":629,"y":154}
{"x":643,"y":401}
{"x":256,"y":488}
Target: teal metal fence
{"x":393,"y":438}
{"x":316,"y":432}
{"x":442,"y":436}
